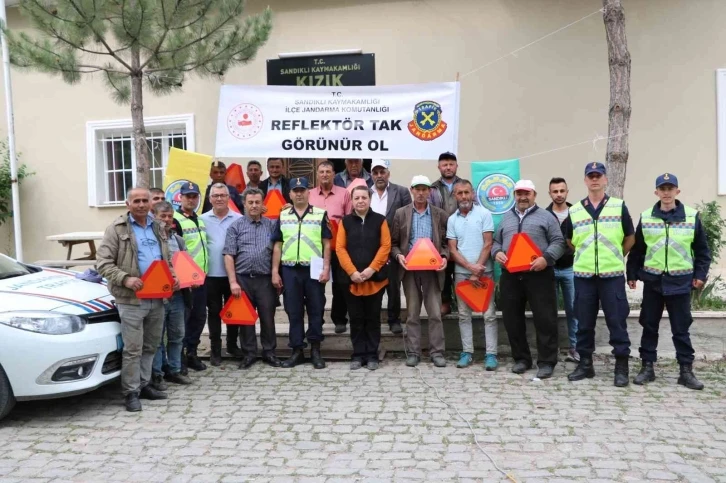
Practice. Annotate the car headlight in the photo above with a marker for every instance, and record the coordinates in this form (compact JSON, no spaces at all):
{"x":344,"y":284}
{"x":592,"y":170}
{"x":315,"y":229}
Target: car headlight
{"x":50,"y":323}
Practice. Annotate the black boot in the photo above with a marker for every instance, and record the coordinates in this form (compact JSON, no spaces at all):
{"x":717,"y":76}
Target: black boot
{"x":646,"y":374}
{"x":688,"y":379}
{"x":317,"y":359}
{"x":295,"y":359}
{"x":132,"y":403}
{"x":215,"y":357}
{"x":583,"y":370}
{"x":194,"y":363}
{"x":621,"y":371}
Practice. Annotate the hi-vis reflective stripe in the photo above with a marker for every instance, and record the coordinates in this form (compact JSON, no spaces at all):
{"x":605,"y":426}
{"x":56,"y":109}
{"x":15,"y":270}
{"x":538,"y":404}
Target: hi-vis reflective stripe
{"x":601,"y":239}
{"x":303,"y":238}
{"x":198,"y":248}
{"x":673,"y":245}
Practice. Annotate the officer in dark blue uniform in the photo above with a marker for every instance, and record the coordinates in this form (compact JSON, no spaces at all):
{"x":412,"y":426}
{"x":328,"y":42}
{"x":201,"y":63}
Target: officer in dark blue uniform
{"x":671,"y":256}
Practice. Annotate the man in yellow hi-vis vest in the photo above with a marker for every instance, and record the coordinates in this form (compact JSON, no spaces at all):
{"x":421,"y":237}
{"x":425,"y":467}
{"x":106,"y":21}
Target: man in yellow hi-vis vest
{"x":191,"y":228}
{"x":602,"y":234}
{"x":302,"y":238}
{"x":671,"y":256}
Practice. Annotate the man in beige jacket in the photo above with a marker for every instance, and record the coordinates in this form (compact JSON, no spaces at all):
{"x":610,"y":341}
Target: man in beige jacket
{"x":130,"y":244}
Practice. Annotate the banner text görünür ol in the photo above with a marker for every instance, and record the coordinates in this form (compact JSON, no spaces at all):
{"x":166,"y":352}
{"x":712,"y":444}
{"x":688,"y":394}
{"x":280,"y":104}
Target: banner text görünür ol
{"x":403,"y":122}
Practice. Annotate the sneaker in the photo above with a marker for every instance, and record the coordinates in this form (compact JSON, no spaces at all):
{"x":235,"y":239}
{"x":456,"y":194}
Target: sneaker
{"x":412,"y":360}
{"x":372,"y":365}
{"x":572,"y":356}
{"x":490,"y":362}
{"x":355,"y":365}
{"x":464,"y":360}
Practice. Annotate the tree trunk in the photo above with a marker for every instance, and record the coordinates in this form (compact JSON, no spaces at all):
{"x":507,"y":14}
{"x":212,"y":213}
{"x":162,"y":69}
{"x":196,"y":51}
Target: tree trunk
{"x":619,"y":116}
{"x":137,"y":118}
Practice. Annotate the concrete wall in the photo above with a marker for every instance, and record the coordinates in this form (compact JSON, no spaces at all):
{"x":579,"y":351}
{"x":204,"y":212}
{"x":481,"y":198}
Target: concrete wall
{"x":552,"y":94}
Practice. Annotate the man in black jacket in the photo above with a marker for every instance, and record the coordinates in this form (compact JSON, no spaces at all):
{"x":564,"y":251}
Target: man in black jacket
{"x":564,"y":275}
{"x":276,"y":179}
{"x":671,"y":256}
{"x":217,"y":173}
{"x":386,"y":198}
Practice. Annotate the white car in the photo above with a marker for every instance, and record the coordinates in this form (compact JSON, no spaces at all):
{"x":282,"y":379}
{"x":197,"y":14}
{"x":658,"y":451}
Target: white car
{"x":59,"y":335}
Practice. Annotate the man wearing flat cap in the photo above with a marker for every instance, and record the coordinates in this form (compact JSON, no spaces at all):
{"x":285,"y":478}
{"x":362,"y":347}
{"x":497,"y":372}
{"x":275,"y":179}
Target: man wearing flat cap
{"x":411,"y":223}
{"x":671,"y":257}
{"x":602,"y":235}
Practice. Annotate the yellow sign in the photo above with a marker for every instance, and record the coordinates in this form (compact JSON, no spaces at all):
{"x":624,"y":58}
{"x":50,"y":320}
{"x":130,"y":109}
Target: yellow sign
{"x":183,"y":167}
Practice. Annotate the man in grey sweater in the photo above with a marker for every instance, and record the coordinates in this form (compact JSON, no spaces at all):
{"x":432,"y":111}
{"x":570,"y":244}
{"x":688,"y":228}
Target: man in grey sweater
{"x":535,"y":285}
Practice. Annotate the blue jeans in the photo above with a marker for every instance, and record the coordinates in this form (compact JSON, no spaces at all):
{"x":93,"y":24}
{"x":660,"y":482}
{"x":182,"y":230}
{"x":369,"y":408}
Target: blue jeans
{"x":565,"y":281}
{"x":174,"y":330}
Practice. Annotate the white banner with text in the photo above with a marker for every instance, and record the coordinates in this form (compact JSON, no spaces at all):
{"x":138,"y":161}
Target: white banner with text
{"x":417,"y":121}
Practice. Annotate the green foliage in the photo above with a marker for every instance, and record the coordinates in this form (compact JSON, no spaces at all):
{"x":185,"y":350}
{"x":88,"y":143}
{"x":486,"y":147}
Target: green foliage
{"x":707,"y":298}
{"x":159,"y":41}
{"x":714,"y":226}
{"x":6,"y":200}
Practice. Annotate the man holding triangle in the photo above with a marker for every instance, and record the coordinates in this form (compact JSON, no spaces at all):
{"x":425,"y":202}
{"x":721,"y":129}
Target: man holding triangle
{"x":535,"y":284}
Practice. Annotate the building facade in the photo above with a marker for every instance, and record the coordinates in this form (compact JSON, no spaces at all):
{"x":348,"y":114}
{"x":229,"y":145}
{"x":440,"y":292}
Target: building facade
{"x":547,"y":104}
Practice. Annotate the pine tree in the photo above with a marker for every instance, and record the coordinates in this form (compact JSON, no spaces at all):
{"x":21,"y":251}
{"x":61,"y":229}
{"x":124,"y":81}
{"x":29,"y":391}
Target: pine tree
{"x":136,"y":45}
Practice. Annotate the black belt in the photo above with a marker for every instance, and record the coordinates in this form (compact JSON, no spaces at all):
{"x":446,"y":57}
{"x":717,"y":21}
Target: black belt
{"x":254,"y":275}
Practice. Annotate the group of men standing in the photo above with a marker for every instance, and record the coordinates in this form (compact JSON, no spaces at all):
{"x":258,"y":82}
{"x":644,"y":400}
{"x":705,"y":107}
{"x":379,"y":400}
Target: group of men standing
{"x":583,"y":248}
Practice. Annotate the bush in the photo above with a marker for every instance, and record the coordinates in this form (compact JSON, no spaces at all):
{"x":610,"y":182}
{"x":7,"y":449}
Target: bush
{"x":714,"y":226}
{"x":6,"y":194}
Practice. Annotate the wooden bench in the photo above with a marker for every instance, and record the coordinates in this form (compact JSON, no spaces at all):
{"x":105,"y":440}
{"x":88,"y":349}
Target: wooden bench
{"x":65,"y":263}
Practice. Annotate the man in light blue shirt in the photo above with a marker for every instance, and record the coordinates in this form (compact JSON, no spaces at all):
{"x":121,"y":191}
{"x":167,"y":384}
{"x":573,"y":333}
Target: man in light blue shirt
{"x":147,"y":246}
{"x":469,"y":233}
{"x":218,"y":292}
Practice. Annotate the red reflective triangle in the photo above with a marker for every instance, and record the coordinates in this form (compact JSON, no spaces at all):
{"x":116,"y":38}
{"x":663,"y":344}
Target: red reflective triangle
{"x":158,"y":282}
{"x":476,"y":298}
{"x":274,"y":202}
{"x":522,"y":252}
{"x":187,"y":271}
{"x":423,"y":256}
{"x":238,"y":311}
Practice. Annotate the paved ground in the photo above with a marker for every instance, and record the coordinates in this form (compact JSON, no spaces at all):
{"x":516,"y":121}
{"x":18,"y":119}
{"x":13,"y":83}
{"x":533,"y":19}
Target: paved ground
{"x":337,"y":425}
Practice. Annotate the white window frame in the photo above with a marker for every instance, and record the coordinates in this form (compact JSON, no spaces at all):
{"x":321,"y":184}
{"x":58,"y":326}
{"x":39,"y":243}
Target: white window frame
{"x":721,"y":128}
{"x":93,"y":148}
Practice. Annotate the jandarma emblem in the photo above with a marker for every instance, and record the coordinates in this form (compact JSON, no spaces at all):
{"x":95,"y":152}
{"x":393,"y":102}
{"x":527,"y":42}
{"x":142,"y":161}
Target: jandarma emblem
{"x":427,"y":123}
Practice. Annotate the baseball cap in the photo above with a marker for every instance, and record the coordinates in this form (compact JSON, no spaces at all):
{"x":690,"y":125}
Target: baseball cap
{"x":595,"y":168}
{"x":420,"y":180}
{"x":666,"y":178}
{"x":189,"y":188}
{"x":524,"y":185}
{"x":447,"y":155}
{"x":380,"y":163}
{"x":297,"y":183}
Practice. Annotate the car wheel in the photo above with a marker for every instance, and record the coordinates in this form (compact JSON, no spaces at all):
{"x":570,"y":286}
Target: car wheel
{"x":7,"y":400}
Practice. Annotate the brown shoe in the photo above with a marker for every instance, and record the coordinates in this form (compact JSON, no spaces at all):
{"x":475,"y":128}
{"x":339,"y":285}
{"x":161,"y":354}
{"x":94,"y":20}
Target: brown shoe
{"x":445,"y":308}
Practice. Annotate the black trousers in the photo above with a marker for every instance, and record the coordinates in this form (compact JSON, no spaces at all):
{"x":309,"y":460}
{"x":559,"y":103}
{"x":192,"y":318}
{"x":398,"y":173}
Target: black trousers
{"x":365,"y":325}
{"x":537,"y":288}
{"x":263,"y":296}
{"x":609,"y":292}
{"x":217,"y":295}
{"x":393,"y":291}
{"x":338,"y":310}
{"x":196,"y":319}
{"x":679,"y":313}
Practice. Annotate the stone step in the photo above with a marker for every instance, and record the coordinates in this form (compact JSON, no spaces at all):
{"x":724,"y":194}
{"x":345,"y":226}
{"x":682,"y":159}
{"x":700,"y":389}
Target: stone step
{"x":708,"y":335}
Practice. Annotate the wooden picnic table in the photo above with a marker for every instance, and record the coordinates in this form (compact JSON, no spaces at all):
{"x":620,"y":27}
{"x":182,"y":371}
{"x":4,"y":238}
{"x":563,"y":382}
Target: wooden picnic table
{"x":78,"y":238}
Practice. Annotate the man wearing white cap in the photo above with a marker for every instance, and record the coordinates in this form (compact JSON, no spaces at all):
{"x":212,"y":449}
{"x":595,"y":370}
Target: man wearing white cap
{"x":410,"y":224}
{"x":386,"y":199}
{"x":536,"y":285}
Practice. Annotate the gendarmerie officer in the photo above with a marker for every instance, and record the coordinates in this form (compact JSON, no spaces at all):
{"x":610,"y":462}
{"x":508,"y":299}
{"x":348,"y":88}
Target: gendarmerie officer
{"x":602,"y":235}
{"x":671,"y":256}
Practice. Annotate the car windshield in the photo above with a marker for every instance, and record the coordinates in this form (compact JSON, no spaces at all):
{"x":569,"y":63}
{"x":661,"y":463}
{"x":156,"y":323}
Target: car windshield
{"x":10,"y":268}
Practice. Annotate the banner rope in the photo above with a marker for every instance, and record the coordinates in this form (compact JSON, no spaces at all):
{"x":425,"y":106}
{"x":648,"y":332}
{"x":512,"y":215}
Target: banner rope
{"x":515,"y":51}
